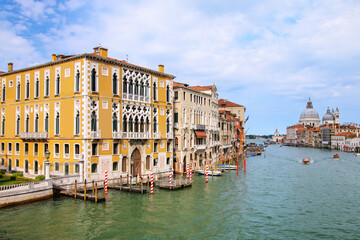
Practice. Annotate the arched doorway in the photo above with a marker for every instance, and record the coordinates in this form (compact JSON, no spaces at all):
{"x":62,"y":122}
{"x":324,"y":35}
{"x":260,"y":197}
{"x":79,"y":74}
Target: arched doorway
{"x":136,"y":162}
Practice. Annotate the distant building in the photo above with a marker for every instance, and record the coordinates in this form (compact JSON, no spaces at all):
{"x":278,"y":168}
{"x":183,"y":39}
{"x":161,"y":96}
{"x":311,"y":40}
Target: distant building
{"x":277,"y":137}
{"x":309,"y":116}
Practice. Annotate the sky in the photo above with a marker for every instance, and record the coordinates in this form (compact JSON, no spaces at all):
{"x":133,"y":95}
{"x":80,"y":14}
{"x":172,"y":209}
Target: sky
{"x":269,"y":56}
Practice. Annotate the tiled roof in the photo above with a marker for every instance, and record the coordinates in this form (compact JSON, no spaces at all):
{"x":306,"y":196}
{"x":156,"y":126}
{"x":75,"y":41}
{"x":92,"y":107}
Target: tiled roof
{"x":226,"y":103}
{"x":202,"y":88}
{"x":296,"y":126}
{"x":1,"y":72}
{"x":178,"y":84}
{"x":348,"y":134}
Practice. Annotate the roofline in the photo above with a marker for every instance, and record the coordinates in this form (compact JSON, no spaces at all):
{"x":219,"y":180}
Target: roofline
{"x":88,"y":55}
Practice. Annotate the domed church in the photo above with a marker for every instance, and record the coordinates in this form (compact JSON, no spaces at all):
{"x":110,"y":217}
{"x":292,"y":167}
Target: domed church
{"x":332,"y":117}
{"x":309,"y":116}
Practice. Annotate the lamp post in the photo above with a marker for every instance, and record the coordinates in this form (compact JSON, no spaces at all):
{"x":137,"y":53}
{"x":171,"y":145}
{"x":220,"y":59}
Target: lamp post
{"x":47,"y":165}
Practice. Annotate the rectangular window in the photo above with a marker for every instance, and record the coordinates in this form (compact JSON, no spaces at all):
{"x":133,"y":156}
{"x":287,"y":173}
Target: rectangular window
{"x":17,"y":148}
{"x":76,"y":170}
{"x":155,"y":147}
{"x":168,"y":146}
{"x":66,"y":150}
{"x":26,"y":149}
{"x":176,"y":117}
{"x":184,"y":96}
{"x":46,"y":148}
{"x":36,"y":149}
{"x":115,"y":148}
{"x":115,"y":166}
{"x":57,"y":150}
{"x":2,"y":147}
{"x":77,"y":148}
{"x":167,"y":161}
{"x":148,"y":162}
{"x":17,"y":162}
{"x":94,"y":149}
{"x":9,"y":148}
{"x":176,"y":96}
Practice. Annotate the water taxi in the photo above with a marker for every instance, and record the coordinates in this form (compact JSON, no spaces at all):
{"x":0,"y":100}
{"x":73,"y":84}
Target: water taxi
{"x":336,"y":156}
{"x":210,"y":172}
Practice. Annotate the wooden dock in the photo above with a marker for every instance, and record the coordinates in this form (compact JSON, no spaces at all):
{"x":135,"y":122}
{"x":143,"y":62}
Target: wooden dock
{"x":80,"y":195}
{"x":176,"y":184}
{"x":128,"y":188}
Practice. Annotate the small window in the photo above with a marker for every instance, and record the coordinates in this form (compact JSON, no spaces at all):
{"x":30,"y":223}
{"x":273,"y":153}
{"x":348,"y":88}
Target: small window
{"x":76,"y":168}
{"x":155,"y":162}
{"x":176,"y":95}
{"x":57,"y":166}
{"x":2,"y":147}
{"x":115,"y":148}
{"x":57,"y":148}
{"x":148,"y":162}
{"x":36,"y":149}
{"x":17,"y":148}
{"x":2,"y":161}
{"x":17,"y":162}
{"x":46,"y":147}
{"x":94,"y":168}
{"x":168,"y":147}
{"x":26,"y":149}
{"x":167,"y":161}
{"x":184,"y":96}
{"x":115,"y":166}
{"x":94,"y":150}
{"x":155,"y":147}
{"x":10,"y":147}
{"x":77,"y":148}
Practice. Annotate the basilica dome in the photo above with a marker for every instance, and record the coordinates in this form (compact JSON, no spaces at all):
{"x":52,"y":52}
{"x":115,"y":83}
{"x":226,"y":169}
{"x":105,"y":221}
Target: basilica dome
{"x":309,"y":116}
{"x":328,"y":117}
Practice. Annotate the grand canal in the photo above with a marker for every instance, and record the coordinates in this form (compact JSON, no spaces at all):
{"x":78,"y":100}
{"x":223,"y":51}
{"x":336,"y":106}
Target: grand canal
{"x":278,"y":198}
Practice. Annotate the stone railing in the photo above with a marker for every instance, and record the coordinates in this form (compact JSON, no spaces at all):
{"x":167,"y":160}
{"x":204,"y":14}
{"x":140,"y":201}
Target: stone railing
{"x":19,"y":187}
{"x":34,"y":135}
{"x":157,"y":135}
{"x":200,"y":147}
{"x":135,"y":135}
{"x":169,"y":135}
{"x":117,"y":135}
{"x":95,"y":134}
{"x":199,"y":127}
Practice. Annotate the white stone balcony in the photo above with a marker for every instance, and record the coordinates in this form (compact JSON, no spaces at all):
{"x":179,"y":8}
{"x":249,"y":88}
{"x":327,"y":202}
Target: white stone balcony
{"x":176,"y":125}
{"x":186,"y":125}
{"x":34,"y":135}
{"x":169,"y":135}
{"x":200,"y":147}
{"x":157,"y":135}
{"x":117,"y":135}
{"x":199,"y":127}
{"x":77,"y":156}
{"x":95,"y":134}
{"x":134,"y":135}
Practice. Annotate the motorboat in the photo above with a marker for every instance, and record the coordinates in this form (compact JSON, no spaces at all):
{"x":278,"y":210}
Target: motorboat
{"x":357,"y":154}
{"x":306,"y":160}
{"x":210,"y":172}
{"x":336,"y":156}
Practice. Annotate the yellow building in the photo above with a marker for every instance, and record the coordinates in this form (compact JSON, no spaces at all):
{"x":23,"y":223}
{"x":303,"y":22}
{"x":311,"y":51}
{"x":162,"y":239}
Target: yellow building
{"x":93,"y":113}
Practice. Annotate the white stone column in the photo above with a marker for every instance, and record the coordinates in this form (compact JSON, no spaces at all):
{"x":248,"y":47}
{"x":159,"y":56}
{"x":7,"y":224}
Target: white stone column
{"x":81,"y":170}
{"x":47,"y":169}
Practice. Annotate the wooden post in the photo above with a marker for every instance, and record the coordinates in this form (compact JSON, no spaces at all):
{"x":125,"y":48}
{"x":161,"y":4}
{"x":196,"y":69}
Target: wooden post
{"x":96,"y":196}
{"x":244,"y":165}
{"x":237,"y":163}
{"x":127,"y":179}
{"x":85,"y":191}
{"x":229,"y":164}
{"x":75,"y":188}
{"x":120,"y":181}
{"x":141,"y":184}
{"x":148,"y":181}
{"x":92,"y":192}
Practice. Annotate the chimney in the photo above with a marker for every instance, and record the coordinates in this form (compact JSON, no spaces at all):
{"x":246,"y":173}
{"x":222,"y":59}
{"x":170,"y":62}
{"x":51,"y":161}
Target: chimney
{"x":161,"y":68}
{"x":53,"y":57}
{"x":10,"y":66}
{"x":101,"y":51}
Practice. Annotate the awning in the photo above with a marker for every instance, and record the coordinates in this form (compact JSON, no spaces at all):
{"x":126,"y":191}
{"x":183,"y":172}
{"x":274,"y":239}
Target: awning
{"x":200,"y":134}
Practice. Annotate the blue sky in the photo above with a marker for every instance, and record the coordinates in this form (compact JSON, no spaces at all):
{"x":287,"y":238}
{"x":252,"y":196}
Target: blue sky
{"x":269,"y":56}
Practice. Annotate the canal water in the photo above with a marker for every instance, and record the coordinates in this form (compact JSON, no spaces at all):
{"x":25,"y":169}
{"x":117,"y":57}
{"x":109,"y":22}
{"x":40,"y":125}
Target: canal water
{"x":277,"y":198}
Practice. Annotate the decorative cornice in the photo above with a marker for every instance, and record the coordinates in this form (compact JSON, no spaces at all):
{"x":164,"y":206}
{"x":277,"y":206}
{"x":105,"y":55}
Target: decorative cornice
{"x":89,"y":56}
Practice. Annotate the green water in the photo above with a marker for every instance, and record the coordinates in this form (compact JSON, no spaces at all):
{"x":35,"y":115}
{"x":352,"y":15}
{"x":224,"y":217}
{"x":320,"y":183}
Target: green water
{"x":278,"y":198}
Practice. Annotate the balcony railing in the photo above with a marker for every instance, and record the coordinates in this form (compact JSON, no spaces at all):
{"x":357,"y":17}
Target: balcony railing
{"x":169,"y":135}
{"x":200,"y":127}
{"x":95,"y":134}
{"x":34,"y":135}
{"x":200,"y":147}
{"x":77,"y":156}
{"x":135,"y":97}
{"x":192,"y":126}
{"x":157,"y":135}
{"x":134,"y":135}
{"x":186,"y":125}
{"x":117,"y":135}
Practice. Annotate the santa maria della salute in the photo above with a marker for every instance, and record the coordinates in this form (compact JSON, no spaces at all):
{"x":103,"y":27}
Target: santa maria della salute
{"x":327,"y":133}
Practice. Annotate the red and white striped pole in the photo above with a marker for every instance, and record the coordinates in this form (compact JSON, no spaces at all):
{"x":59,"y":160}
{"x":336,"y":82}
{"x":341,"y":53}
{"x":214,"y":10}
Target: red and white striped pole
{"x":187,"y":170}
{"x":190,"y":174}
{"x":105,"y":186}
{"x":170,"y":178}
{"x":152,"y":183}
{"x":207,"y":173}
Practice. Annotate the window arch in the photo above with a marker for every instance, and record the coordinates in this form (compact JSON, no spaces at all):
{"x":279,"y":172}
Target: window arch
{"x":36,"y":124}
{"x":77,"y":81}
{"x":27,"y":89}
{"x":18,"y":125}
{"x":57,"y":124}
{"x":115,"y":123}
{"x":168,"y":94}
{"x":167,"y":125}
{"x":3,"y":125}
{"x":94,"y":168}
{"x":93,"y":121}
{"x":37,"y":88}
{"x":57,"y":85}
{"x":131,"y":85}
{"x":46,"y":122}
{"x":115,"y":84}
{"x":93,"y":80}
{"x":18,"y":88}
{"x":131,"y":129}
{"x":125,"y":85}
{"x":47,"y":86}
{"x":124,"y":124}
{"x":155,"y":125}
{"x":154,"y":91}
{"x":57,"y":166}
{"x":77,"y":123}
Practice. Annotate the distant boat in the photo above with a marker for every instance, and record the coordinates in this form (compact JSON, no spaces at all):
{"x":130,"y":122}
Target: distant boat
{"x":336,"y":156}
{"x":232,"y":167}
{"x":210,"y":172}
{"x":357,"y":154}
{"x":306,"y":160}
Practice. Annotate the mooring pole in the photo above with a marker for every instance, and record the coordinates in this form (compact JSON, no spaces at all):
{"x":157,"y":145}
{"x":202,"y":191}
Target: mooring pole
{"x":85,"y":191}
{"x":237,"y":163}
{"x":75,"y":188}
{"x":96,"y":196}
{"x":92,"y":192}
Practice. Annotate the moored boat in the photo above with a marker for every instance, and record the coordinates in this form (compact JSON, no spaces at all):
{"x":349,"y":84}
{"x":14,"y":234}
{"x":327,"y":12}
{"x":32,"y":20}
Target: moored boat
{"x":210,"y":172}
{"x":232,"y":167}
{"x":306,"y":160}
{"x":336,"y":156}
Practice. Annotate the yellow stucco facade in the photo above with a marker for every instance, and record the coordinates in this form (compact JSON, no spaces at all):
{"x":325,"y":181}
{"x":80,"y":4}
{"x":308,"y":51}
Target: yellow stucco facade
{"x":91,"y":112}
